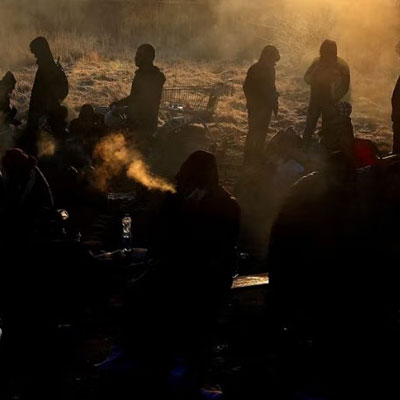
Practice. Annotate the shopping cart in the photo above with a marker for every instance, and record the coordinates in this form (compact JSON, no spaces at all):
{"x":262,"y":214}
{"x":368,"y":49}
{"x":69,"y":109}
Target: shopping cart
{"x":184,"y":105}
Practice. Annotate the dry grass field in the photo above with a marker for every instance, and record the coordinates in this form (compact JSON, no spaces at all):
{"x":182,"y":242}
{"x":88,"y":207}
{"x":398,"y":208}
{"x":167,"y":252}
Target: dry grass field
{"x":202,"y":42}
{"x":99,"y":82}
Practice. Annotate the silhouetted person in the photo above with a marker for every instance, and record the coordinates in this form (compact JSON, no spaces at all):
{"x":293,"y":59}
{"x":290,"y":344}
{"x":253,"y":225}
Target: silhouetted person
{"x":144,"y":100}
{"x":262,"y":99}
{"x":337,"y":134}
{"x":7,"y":111}
{"x":194,"y":242}
{"x":49,"y":89}
{"x":25,"y":199}
{"x":88,"y":128}
{"x":325,"y":247}
{"x":329,"y":78}
{"x":396,"y":112}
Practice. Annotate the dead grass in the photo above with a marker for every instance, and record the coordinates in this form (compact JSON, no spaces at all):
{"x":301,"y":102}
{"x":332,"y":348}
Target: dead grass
{"x":99,"y":82}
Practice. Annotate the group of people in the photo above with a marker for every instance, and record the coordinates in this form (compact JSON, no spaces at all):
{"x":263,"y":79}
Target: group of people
{"x":51,"y":87}
{"x":195,"y":231}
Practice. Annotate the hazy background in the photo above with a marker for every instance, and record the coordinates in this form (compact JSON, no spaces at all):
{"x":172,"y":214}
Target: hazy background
{"x":206,"y":32}
{"x":366,"y":30}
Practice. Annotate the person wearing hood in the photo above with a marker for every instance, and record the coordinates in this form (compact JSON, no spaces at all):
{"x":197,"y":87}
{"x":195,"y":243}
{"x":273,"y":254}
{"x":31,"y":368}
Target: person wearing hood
{"x":49,"y":89}
{"x":329,"y":78}
{"x":143,"y":103}
{"x":194,"y":244}
{"x":7,"y":111}
{"x":262,"y":100}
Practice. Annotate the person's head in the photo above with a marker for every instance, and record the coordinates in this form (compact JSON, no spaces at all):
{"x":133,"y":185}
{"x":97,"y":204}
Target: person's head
{"x":145,"y":55}
{"x":8,"y":82}
{"x":40,"y":48}
{"x":199,"y":171}
{"x":328,"y":51}
{"x":86,"y":113}
{"x":270,"y":55}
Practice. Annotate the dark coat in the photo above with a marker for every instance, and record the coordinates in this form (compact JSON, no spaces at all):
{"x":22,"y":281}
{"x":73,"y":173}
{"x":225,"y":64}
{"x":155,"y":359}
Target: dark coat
{"x":259,"y":86}
{"x":144,"y":100}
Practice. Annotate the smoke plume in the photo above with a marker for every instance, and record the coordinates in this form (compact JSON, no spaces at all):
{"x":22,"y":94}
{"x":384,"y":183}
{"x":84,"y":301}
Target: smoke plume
{"x":114,"y":157}
{"x":46,"y":144}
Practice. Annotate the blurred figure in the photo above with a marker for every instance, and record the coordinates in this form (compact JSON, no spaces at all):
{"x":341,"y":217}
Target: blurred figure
{"x":262,"y":99}
{"x":337,"y":134}
{"x":49,"y":89}
{"x":88,"y":128}
{"x":7,"y":111}
{"x":25,"y":199}
{"x":143,"y":103}
{"x":329,"y":78}
{"x":195,"y":245}
{"x":396,"y":112}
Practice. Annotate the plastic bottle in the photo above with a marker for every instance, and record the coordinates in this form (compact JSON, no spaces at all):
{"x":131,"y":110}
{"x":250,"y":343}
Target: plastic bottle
{"x":127,"y":232}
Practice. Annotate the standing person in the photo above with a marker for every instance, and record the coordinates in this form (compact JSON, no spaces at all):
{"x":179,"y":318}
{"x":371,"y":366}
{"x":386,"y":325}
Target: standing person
{"x":143,"y":103}
{"x":262,"y":99}
{"x":329,"y":78}
{"x":49,"y":89}
{"x":7,"y":112}
{"x":396,"y":112}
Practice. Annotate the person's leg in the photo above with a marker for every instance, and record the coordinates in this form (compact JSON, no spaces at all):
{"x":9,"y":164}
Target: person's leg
{"x":264,"y":120}
{"x":257,"y":124}
{"x":396,"y":137}
{"x":313,"y":114}
{"x":27,"y":141}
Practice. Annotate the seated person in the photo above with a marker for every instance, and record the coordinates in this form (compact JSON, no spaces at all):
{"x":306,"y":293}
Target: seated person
{"x":195,"y":245}
{"x":87,"y":128}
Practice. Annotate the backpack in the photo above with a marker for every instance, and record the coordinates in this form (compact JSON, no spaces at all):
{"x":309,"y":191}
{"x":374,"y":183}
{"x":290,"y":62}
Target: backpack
{"x":61,"y":86}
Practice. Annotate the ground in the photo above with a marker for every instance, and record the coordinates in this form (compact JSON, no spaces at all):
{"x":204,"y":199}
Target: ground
{"x":99,"y":82}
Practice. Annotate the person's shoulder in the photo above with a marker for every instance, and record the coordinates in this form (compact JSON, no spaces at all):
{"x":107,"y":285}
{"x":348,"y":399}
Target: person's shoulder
{"x":253,"y":68}
{"x":343,"y":64}
{"x":315,"y":61}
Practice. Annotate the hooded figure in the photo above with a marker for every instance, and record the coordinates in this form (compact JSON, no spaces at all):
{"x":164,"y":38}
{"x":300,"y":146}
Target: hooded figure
{"x":143,"y":103}
{"x":196,"y":246}
{"x":49,"y":89}
{"x":7,"y":112}
{"x":262,"y":99}
{"x":87,"y":129}
{"x":329,"y":78}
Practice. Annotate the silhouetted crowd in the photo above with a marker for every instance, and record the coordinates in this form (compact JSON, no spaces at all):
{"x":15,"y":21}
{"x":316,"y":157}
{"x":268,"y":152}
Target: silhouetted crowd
{"x":324,"y":211}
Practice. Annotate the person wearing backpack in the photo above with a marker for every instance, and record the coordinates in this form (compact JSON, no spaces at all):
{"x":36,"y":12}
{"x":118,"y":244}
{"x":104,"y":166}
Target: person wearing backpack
{"x":49,"y":89}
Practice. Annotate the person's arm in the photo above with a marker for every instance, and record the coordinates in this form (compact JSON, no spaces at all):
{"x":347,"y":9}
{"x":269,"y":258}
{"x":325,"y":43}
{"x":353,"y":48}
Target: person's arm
{"x":308,"y":77}
{"x":127,"y":100}
{"x":344,"y":84}
{"x":396,"y":102}
{"x":248,"y":83}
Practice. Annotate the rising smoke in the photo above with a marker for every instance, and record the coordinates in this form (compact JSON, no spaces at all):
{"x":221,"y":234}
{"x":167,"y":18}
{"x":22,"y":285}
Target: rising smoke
{"x":113,"y":157}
